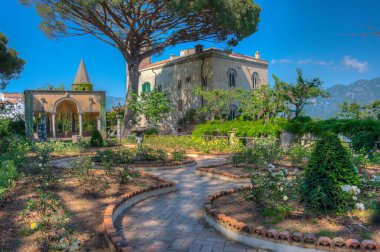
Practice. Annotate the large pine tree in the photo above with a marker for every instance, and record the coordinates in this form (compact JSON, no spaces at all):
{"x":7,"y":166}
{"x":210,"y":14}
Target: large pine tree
{"x":141,"y":28}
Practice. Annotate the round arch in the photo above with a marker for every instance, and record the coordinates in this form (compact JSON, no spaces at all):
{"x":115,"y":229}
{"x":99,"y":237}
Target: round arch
{"x":59,"y":101}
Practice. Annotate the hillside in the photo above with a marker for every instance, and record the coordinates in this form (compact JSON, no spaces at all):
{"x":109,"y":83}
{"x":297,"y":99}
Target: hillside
{"x":361,"y":91}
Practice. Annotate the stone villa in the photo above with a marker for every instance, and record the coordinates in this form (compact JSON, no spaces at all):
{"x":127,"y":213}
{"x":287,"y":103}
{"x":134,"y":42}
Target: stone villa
{"x":212,"y":68}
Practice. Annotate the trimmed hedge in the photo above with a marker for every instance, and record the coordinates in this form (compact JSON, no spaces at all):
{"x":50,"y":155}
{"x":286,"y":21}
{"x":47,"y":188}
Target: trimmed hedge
{"x":243,"y":128}
{"x":347,"y":127}
{"x":329,"y":168}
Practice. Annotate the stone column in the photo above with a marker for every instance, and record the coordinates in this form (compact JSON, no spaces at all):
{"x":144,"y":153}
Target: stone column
{"x":118,"y":128}
{"x":53,"y":124}
{"x":80,"y":125}
{"x":99,"y":124}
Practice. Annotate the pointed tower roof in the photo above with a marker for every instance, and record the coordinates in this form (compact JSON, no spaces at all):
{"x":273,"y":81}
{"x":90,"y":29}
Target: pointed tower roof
{"x":82,"y":76}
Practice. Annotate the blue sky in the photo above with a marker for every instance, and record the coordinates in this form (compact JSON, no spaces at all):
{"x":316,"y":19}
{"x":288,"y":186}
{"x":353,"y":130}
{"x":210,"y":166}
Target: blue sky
{"x":314,"y":35}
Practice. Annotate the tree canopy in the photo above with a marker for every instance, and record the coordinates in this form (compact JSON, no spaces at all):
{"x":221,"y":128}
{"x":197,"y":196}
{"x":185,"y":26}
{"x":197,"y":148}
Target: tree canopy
{"x":141,"y":28}
{"x":10,"y":64}
{"x":154,"y":105}
{"x":301,"y":93}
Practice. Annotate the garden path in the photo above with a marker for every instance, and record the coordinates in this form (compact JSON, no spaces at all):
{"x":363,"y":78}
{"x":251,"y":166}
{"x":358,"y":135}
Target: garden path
{"x":174,"y":221}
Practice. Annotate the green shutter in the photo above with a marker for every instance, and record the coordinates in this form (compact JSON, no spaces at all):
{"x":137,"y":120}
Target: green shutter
{"x":148,"y":87}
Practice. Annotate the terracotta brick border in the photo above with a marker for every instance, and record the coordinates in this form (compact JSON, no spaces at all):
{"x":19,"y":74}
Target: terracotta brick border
{"x":113,"y":210}
{"x":163,"y":163}
{"x":277,"y":240}
{"x":208,"y":171}
{"x":159,"y":165}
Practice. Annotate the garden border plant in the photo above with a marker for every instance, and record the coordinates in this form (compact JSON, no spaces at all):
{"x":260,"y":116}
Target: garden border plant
{"x":280,"y":240}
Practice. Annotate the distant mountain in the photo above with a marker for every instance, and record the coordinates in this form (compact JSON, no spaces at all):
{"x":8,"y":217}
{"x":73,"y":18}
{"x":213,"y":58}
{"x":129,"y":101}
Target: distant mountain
{"x":112,"y":101}
{"x":361,"y":91}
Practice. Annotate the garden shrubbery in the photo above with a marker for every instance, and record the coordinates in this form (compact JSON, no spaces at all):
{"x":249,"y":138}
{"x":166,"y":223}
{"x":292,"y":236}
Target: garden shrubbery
{"x":263,"y":152}
{"x":145,"y":153}
{"x":329,"y":169}
{"x":347,"y":127}
{"x":96,"y":139}
{"x":193,"y":143}
{"x":243,"y":128}
{"x":179,"y":155}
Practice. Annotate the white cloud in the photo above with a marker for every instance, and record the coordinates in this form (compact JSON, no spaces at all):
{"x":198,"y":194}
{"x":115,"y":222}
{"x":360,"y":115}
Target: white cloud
{"x":351,"y":63}
{"x":315,"y":62}
{"x":280,"y":61}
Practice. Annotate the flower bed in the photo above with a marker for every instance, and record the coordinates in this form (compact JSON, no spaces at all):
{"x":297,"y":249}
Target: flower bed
{"x":117,"y":243}
{"x":250,"y":231}
{"x":23,"y":222}
{"x":224,"y":171}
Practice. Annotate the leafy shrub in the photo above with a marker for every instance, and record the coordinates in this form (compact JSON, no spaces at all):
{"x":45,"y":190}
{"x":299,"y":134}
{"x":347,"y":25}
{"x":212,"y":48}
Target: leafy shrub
{"x":263,"y":152}
{"x":329,"y":169}
{"x":46,"y":173}
{"x":8,"y":174}
{"x":127,"y":175}
{"x":191,"y":142}
{"x":145,"y":153}
{"x":80,"y":167}
{"x":9,"y":127}
{"x":376,"y":158}
{"x":179,"y":155}
{"x":347,"y":127}
{"x":117,"y":156}
{"x":272,"y":193}
{"x":364,"y":141}
{"x":111,"y":143}
{"x":96,"y":139}
{"x":151,"y":131}
{"x":243,"y":128}
{"x":94,"y":184}
{"x":375,"y":218}
{"x":298,"y":153}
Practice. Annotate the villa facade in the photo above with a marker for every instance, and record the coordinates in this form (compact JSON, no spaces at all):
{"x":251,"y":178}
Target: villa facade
{"x":211,"y":69}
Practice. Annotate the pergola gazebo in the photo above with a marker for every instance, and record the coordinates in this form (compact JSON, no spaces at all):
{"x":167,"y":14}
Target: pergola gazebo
{"x":62,"y":114}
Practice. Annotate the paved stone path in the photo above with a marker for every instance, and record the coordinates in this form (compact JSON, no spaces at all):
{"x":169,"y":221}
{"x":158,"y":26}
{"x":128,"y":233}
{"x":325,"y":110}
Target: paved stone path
{"x":174,"y":221}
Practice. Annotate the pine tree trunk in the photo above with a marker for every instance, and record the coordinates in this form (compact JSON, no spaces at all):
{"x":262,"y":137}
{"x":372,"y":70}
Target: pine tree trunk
{"x":132,"y":87}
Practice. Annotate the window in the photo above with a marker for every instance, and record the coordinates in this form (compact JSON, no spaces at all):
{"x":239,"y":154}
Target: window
{"x":204,"y":81}
{"x":145,"y":87}
{"x":180,"y":105}
{"x":159,"y":88}
{"x":233,"y":112}
{"x":255,"y":80}
{"x":188,"y":79}
{"x":179,"y":85}
{"x":232,"y":77}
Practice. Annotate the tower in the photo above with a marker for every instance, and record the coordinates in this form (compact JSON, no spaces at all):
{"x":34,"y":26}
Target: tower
{"x":82,"y":81}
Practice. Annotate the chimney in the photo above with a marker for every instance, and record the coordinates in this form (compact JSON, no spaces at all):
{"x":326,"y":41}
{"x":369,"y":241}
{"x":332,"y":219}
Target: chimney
{"x":145,"y":62}
{"x":257,"y":55}
{"x":198,"y":48}
{"x":171,"y":56}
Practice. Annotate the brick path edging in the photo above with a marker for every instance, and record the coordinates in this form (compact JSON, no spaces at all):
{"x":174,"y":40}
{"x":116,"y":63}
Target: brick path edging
{"x":273,"y":239}
{"x":112,"y":211}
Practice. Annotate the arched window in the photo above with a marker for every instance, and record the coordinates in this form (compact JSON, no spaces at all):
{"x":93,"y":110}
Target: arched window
{"x":159,"y":88}
{"x":232,"y":77}
{"x":233,"y":112}
{"x":255,"y":80}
